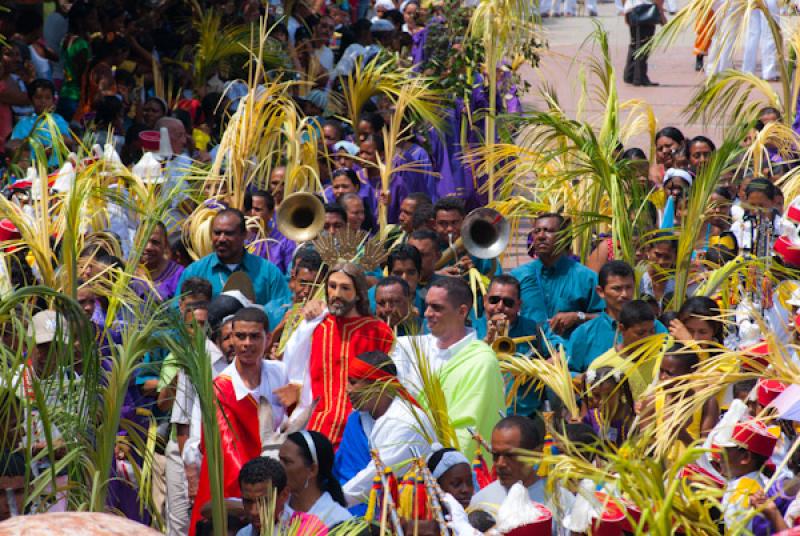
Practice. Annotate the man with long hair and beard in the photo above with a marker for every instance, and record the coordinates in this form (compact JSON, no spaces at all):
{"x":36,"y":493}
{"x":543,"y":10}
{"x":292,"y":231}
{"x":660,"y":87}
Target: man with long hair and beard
{"x":320,"y":350}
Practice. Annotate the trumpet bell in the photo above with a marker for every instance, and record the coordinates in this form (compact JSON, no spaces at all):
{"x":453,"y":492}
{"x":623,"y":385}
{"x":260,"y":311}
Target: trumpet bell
{"x":504,"y":345}
{"x":301,"y":217}
{"x":485,"y":233}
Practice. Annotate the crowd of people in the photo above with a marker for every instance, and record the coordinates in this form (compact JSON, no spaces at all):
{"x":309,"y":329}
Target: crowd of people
{"x":324,"y":345}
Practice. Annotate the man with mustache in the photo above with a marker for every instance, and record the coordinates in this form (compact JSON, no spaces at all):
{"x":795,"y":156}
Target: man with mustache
{"x":320,"y":350}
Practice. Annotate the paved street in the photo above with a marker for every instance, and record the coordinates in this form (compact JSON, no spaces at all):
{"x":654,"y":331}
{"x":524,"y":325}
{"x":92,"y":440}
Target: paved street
{"x":673,"y":69}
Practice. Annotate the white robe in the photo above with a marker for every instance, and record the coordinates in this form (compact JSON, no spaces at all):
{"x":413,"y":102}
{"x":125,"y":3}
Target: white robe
{"x":392,"y":435}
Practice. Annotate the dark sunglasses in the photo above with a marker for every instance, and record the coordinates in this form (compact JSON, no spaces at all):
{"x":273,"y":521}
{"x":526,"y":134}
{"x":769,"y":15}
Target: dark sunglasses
{"x":508,"y":302}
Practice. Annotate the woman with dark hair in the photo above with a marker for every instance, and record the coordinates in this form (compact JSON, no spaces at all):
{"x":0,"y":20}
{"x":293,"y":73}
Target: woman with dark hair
{"x":153,"y":109}
{"x":609,"y":402}
{"x":699,"y":151}
{"x":307,"y":457}
{"x":669,"y":144}
{"x":698,"y":320}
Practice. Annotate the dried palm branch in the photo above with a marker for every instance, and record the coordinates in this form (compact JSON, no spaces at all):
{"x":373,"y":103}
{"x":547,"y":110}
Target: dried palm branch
{"x":216,"y":43}
{"x":693,"y":220}
{"x":503,"y":27}
{"x":552,"y":373}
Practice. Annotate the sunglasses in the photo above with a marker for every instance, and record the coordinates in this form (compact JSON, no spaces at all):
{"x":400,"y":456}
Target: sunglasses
{"x":508,"y":302}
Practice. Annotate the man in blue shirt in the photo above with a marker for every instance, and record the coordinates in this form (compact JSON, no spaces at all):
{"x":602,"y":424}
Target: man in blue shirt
{"x":448,"y":217}
{"x":501,"y":305}
{"x":307,"y":275}
{"x":557,"y":292}
{"x":393,"y":306}
{"x":616,"y":285}
{"x":405,"y":262}
{"x":42,"y":93}
{"x":228,"y":234}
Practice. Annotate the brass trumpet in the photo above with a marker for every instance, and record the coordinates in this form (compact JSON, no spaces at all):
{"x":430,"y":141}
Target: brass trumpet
{"x":301,"y":216}
{"x":484,"y":234}
{"x":505,"y":345}
{"x":502,"y":343}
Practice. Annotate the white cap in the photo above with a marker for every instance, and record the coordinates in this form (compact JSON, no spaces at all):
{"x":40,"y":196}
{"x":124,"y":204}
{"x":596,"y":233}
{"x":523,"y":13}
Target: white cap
{"x":164,"y":146}
{"x":65,"y":178}
{"x":148,"y":169}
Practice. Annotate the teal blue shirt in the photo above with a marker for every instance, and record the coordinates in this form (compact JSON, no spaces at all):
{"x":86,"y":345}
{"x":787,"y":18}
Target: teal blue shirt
{"x":268,"y":281}
{"x":567,"y":286}
{"x":525,"y":403}
{"x":594,"y":338}
{"x":276,"y":310}
{"x":419,"y":300}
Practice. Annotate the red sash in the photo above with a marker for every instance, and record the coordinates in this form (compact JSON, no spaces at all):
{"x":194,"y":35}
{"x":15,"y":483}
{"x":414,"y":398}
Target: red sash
{"x":240,"y":440}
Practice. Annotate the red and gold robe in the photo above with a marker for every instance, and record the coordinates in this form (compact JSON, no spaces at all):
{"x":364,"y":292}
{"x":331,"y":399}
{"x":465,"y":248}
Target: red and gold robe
{"x":334,"y":343}
{"x":240,"y":440}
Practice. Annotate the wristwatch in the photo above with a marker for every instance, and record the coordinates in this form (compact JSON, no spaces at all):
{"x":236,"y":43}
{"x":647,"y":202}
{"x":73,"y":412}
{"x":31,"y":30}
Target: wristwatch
{"x":581,"y":316}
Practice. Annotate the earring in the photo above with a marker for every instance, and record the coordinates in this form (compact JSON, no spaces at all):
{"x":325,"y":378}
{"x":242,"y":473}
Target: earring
{"x":305,"y":486}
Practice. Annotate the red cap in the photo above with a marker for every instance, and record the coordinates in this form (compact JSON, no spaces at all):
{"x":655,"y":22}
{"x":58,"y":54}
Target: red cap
{"x":541,"y":527}
{"x":793,"y":213}
{"x":757,"y":353}
{"x":698,"y":475}
{"x":797,"y":323}
{"x":788,"y":252}
{"x":8,"y":231}
{"x":151,"y":140}
{"x":768,"y":390}
{"x":754,"y":436}
{"x":612,"y":521}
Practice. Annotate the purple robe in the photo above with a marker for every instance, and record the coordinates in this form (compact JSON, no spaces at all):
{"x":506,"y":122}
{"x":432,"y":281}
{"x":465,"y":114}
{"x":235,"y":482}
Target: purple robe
{"x":397,"y":192}
{"x":421,"y":177}
{"x":123,"y":495}
{"x":448,"y":152}
{"x":615,"y":432}
{"x":762,"y":527}
{"x":166,"y":283}
{"x":277,"y":249}
{"x":418,"y":48}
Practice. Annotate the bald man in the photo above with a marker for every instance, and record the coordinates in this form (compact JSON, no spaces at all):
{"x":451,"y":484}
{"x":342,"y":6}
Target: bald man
{"x":176,"y":169}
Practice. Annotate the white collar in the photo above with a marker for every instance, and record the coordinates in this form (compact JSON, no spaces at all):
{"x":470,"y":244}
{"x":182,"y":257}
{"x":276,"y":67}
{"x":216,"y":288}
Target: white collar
{"x":240,"y":389}
{"x":456,"y":347}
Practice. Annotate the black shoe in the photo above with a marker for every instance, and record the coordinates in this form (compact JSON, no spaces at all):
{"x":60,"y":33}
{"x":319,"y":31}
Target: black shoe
{"x":646,"y":83}
{"x":698,"y":63}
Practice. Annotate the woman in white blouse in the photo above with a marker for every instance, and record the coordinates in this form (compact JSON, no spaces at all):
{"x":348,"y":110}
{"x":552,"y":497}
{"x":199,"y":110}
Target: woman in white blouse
{"x":308,"y":460}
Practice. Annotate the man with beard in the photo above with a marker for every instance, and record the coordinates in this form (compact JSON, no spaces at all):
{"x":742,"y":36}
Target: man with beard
{"x":320,"y":350}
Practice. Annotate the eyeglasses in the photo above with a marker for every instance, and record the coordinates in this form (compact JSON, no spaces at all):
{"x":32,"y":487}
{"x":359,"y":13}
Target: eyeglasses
{"x":508,"y":302}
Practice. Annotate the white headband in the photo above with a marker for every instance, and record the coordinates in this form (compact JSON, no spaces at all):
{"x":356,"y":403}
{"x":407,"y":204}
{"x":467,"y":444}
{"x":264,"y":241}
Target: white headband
{"x":679,"y":173}
{"x":311,"y":446}
{"x":450,"y":459}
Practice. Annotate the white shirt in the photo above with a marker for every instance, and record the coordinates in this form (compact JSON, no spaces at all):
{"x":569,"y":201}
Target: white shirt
{"x":329,"y":511}
{"x":406,"y":351}
{"x":392,"y":435}
{"x":186,"y":409}
{"x":492,"y":496}
{"x":732,"y":508}
{"x":273,"y":375}
{"x":325,"y":57}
